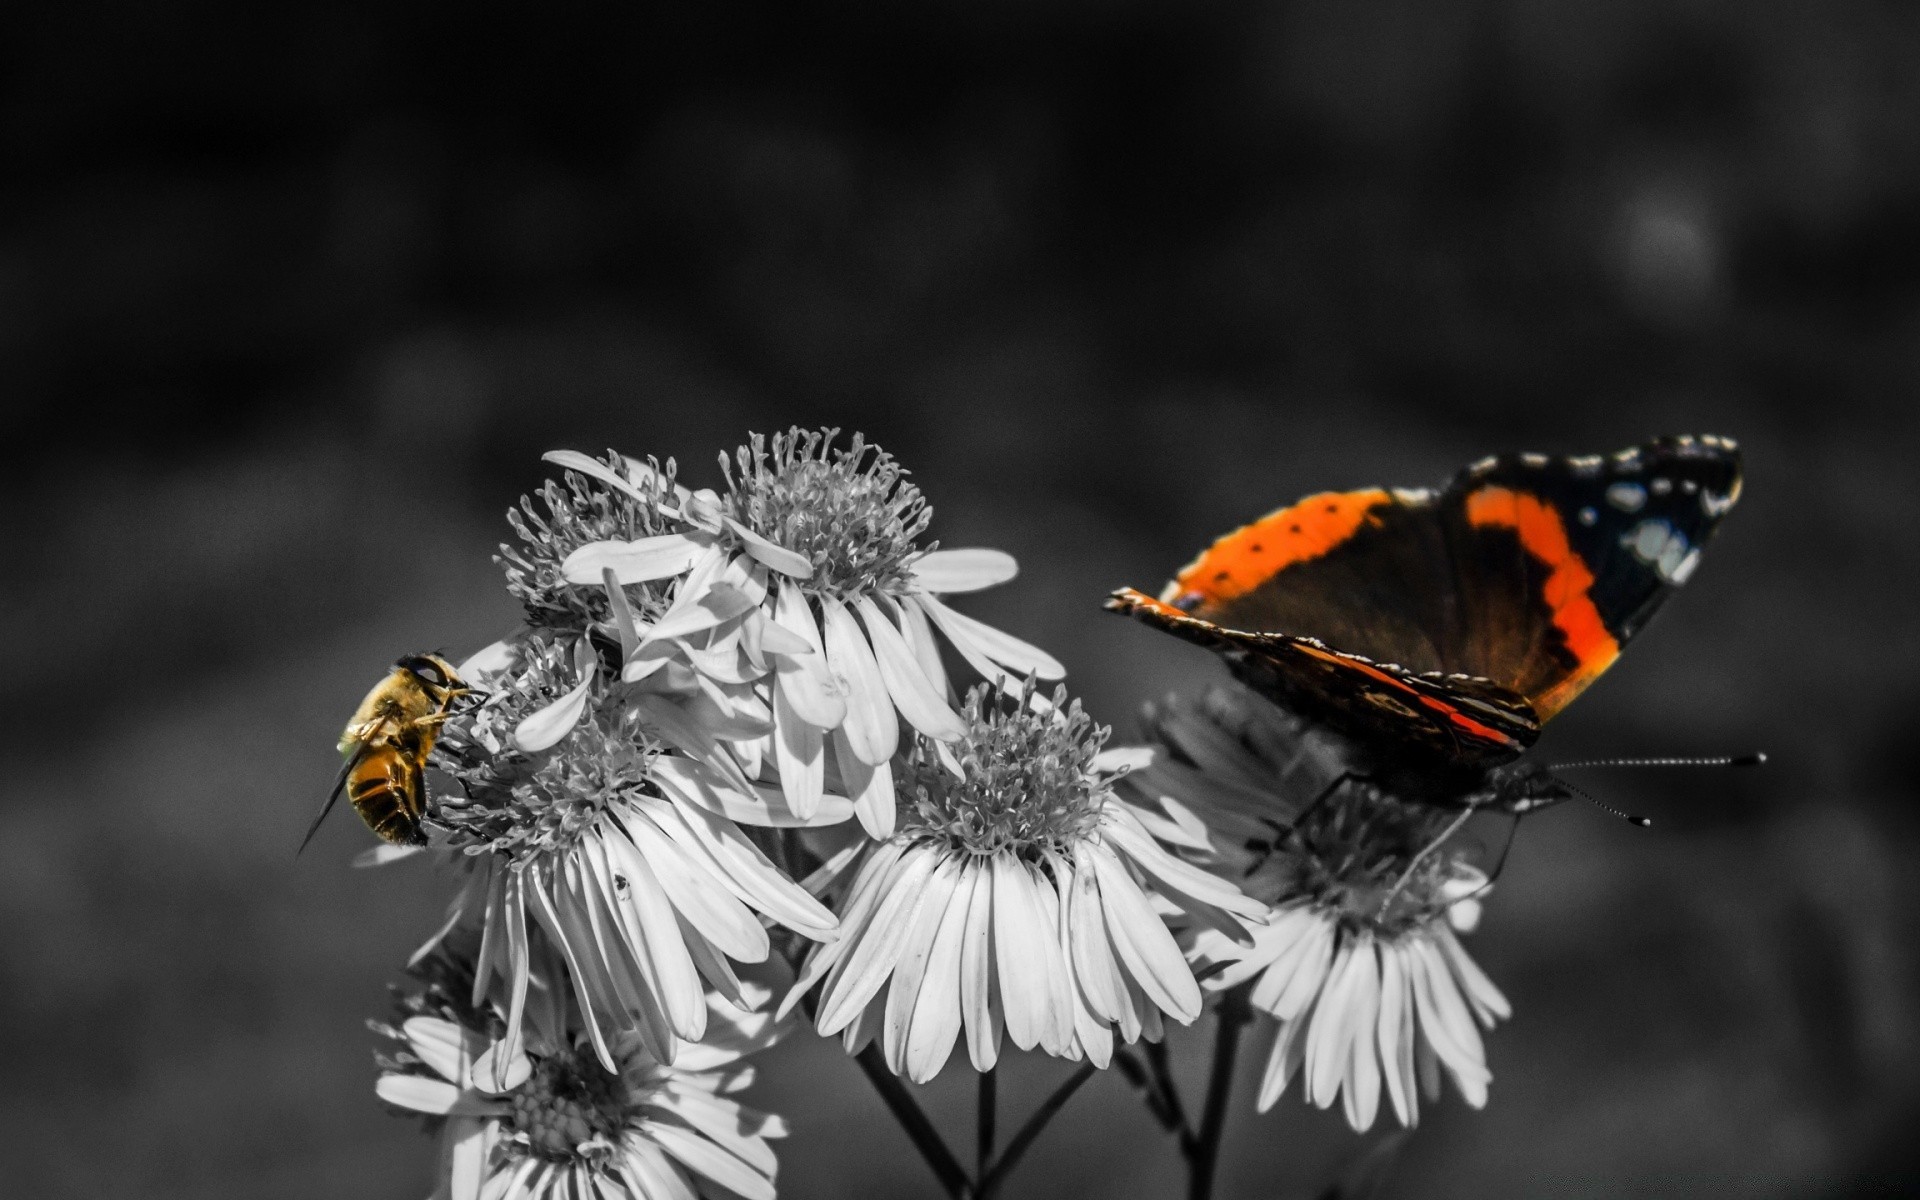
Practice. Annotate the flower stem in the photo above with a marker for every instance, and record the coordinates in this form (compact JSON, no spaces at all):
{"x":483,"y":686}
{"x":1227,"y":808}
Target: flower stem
{"x":945,"y":1167}
{"x":985,"y":1114}
{"x":1156,"y":1053}
{"x":1204,"y":1152}
{"x":991,"y":1181}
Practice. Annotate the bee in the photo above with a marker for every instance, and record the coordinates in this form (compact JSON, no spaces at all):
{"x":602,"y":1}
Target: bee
{"x":386,"y":746}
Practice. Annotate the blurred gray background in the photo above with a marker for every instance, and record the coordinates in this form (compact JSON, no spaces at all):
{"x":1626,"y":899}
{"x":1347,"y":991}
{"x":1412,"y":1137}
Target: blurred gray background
{"x":293,"y":297}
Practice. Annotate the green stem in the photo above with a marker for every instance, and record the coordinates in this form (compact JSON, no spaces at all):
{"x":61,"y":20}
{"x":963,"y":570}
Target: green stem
{"x":1204,"y":1153}
{"x":991,"y":1181}
{"x":945,"y":1167}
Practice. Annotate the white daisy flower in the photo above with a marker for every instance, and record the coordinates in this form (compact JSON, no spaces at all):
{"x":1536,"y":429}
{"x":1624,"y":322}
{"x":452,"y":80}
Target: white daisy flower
{"x":1016,"y":894}
{"x":625,"y":856}
{"x":548,"y":1120}
{"x":1359,"y":965}
{"x":807,"y":580}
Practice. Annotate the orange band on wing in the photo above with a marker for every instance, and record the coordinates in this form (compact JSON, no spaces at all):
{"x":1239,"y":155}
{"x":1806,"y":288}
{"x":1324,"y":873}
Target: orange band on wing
{"x":1544,"y":536}
{"x":1252,"y":554}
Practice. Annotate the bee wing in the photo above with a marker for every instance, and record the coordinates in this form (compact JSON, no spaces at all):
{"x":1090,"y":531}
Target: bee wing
{"x":333,"y":797}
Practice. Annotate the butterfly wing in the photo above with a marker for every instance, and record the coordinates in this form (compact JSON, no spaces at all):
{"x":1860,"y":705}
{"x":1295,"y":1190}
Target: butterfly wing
{"x":1435,"y":717}
{"x":1451,"y":624}
{"x":1558,"y":562}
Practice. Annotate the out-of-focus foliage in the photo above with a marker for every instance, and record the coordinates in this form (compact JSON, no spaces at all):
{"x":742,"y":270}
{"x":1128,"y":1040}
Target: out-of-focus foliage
{"x":291,"y":298}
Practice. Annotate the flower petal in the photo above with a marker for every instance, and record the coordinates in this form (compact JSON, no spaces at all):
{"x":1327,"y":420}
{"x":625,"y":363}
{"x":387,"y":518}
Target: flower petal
{"x":872,"y":729}
{"x":869,"y":787}
{"x":1141,"y":940}
{"x":800,"y":754}
{"x":642,"y":560}
{"x":967,"y":570}
{"x":573,"y":460}
{"x":858,"y":976}
{"x":781,"y":559}
{"x":923,"y":707}
{"x":546,"y":727}
{"x":979,"y":1002}
{"x":1026,"y":956}
{"x":903,"y":989}
{"x":809,"y":682}
{"x":1009,"y":651}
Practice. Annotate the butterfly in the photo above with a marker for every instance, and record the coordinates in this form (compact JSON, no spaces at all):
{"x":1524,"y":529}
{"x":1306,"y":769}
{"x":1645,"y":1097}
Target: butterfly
{"x":1436,"y":630}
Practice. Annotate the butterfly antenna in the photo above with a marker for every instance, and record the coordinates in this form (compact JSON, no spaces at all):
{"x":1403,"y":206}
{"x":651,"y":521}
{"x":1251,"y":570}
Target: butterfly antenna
{"x":1604,"y":807}
{"x":1720,"y":760}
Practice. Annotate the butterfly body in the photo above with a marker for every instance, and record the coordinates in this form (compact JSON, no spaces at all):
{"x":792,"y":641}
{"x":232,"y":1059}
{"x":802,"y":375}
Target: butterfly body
{"x":1437,"y":630}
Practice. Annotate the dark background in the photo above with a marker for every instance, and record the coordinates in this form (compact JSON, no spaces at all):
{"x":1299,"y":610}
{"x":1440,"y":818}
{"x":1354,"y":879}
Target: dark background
{"x":292,"y":298}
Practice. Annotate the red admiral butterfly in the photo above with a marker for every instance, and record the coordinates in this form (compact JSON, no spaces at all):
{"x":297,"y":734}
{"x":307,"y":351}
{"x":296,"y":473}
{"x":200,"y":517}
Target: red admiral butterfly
{"x":1436,"y":631}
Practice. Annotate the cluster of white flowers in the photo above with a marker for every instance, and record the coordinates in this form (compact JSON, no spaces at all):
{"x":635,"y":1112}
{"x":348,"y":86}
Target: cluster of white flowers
{"x":727,"y":736}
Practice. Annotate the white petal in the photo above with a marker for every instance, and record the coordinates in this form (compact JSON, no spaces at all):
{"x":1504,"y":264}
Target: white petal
{"x":1141,"y":940}
{"x":926,"y":651}
{"x":923,"y":706}
{"x":546,"y":727}
{"x":1024,"y":951}
{"x":384,"y":853}
{"x":966,"y":570}
{"x":1444,"y":1019}
{"x":1396,"y":1049}
{"x":443,"y":1046}
{"x":979,"y":1006}
{"x":1289,"y":1051}
{"x":858,"y":976}
{"x":642,"y":560}
{"x":719,"y":602}
{"x":800,"y":752}
{"x":1331,"y":1024}
{"x":781,"y":559}
{"x":747,"y":872}
{"x":809,"y":682}
{"x":872,"y":729}
{"x":489,"y":662}
{"x":707,"y":1159}
{"x":869,"y":787}
{"x":705,"y":903}
{"x":1488,"y":1002}
{"x":936,"y":1010}
{"x":1095,"y":970}
{"x":573,"y":460}
{"x":1003,"y":648}
{"x":419,"y":1093}
{"x":903,"y":989}
{"x":1304,"y":967}
{"x":1363,"y":1064}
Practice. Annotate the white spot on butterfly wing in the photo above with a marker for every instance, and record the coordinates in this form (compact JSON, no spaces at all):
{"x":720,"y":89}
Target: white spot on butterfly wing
{"x":1536,"y":461}
{"x":1627,"y":497}
{"x":1715,"y":506}
{"x":1662,"y":547}
{"x":1588,"y":516}
{"x":1661,"y":487}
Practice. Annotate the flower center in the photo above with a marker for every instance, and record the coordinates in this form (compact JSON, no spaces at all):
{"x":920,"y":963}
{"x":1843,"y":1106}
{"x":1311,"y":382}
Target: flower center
{"x":1026,"y":782}
{"x":850,"y":511}
{"x":1349,"y":856}
{"x":570,"y":1108}
{"x":521,"y":805}
{"x":568,"y":514}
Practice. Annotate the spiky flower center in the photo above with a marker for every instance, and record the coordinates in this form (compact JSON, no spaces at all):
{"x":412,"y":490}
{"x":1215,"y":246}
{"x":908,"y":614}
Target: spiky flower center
{"x":572,"y":512}
{"x":571,"y":1108}
{"x":1026,"y":782}
{"x":1350,"y":858}
{"x":850,"y":511}
{"x":521,"y":805}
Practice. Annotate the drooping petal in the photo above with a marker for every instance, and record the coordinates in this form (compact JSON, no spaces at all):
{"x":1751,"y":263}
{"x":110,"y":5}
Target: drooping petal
{"x":857,"y":977}
{"x":1009,"y":651}
{"x":1141,"y":940}
{"x":872,"y":729}
{"x":980,"y":1006}
{"x":903,"y":989}
{"x":923,"y":706}
{"x":799,"y":750}
{"x":869,"y":787}
{"x":811,"y":685}
{"x":964,"y":570}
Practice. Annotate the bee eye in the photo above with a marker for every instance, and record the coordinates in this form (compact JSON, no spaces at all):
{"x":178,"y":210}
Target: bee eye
{"x":425,"y":668}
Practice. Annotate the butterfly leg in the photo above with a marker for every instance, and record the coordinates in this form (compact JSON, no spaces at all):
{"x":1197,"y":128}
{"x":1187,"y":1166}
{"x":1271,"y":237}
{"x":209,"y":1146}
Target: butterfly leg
{"x":1453,"y":827}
